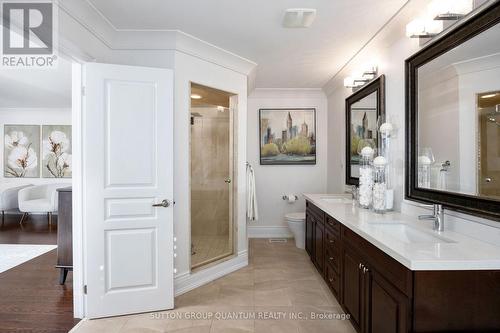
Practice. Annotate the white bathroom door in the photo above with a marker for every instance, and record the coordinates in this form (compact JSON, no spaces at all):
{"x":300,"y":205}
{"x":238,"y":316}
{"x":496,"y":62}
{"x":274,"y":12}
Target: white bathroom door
{"x":128,"y":173}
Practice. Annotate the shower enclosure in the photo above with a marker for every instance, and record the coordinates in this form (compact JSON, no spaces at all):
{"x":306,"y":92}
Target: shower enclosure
{"x":489,"y":144}
{"x":211,"y":175}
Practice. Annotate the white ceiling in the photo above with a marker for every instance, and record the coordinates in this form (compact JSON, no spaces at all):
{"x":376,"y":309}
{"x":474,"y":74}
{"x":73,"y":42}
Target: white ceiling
{"x":36,"y":88}
{"x":286,"y":58}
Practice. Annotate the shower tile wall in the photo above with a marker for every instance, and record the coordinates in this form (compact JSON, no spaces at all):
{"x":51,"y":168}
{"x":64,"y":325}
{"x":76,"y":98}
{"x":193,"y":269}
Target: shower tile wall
{"x":209,"y":169}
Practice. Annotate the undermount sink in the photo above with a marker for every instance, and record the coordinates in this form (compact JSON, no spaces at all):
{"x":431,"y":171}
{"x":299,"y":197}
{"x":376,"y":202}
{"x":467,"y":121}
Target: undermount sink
{"x":336,"y":200}
{"x":408,"y":234}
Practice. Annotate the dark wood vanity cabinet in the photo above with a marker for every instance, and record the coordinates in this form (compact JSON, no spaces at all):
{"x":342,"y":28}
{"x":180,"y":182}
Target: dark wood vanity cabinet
{"x":375,"y":305}
{"x":314,"y":236}
{"x":383,"y":296}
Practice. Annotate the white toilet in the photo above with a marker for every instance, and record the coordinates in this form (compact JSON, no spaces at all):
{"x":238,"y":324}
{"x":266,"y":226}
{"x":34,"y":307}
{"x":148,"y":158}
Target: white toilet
{"x":297,"y":224}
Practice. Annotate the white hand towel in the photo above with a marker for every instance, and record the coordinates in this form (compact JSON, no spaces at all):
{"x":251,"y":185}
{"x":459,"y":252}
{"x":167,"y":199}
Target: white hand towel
{"x":252,"y":212}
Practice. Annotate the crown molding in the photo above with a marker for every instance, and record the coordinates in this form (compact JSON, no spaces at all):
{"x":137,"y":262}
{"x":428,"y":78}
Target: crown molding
{"x":288,"y":93}
{"x":484,"y":63}
{"x":97,"y":24}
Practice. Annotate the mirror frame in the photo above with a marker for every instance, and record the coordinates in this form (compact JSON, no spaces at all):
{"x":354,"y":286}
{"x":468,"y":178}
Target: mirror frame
{"x":471,"y":27}
{"x":376,"y":85}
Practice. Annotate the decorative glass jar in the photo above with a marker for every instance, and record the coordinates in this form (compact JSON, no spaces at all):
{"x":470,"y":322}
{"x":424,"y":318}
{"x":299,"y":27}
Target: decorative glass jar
{"x":386,"y":131}
{"x":366,"y":177}
{"x":425,"y":162}
{"x":380,"y":185}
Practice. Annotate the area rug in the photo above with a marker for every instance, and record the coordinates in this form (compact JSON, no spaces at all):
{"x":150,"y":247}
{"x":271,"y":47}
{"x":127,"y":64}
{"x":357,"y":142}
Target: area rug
{"x":12,"y":255}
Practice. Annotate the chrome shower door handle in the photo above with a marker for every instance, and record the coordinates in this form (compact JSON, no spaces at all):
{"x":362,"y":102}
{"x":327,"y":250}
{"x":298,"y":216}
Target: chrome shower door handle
{"x":165,"y":203}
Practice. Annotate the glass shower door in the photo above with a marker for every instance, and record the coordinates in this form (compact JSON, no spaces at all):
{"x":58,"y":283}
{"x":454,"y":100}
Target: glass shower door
{"x":211,"y":182}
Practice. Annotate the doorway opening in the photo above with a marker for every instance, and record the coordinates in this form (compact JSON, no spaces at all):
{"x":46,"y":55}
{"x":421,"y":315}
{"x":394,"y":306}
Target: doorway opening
{"x":36,"y":197}
{"x":212,"y":152}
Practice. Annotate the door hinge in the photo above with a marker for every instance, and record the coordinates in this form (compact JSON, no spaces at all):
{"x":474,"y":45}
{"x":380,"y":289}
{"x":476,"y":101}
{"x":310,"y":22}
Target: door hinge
{"x":83,"y":91}
{"x":85,"y":289}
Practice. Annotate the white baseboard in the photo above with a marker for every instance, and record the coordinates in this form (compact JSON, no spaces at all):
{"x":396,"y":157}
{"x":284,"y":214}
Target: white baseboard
{"x":187,"y":282}
{"x":254,"y":231}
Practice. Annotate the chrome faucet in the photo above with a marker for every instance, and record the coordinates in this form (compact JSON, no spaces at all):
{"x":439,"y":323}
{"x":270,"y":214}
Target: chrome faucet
{"x":437,"y":216}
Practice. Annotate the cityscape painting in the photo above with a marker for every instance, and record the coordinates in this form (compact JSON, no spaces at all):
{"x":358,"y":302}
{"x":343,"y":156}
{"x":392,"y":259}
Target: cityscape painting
{"x":287,"y":136}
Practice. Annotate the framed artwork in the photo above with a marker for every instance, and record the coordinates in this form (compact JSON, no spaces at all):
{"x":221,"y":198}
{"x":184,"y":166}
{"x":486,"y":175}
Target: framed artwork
{"x":21,"y":149}
{"x":287,"y":136}
{"x":56,"y":152}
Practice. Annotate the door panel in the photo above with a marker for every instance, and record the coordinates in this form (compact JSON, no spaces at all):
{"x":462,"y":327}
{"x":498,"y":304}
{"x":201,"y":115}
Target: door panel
{"x":387,"y":307}
{"x":352,"y":286}
{"x":124,"y":273}
{"x":309,"y":234}
{"x":128,"y":154}
{"x":319,"y":254}
{"x":125,"y":118}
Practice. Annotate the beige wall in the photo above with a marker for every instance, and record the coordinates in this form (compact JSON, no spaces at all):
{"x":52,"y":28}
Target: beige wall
{"x":273,"y":181}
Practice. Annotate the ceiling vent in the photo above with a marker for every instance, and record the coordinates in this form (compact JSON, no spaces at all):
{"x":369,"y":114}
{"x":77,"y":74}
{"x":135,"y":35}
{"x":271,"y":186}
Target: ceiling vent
{"x":299,"y":17}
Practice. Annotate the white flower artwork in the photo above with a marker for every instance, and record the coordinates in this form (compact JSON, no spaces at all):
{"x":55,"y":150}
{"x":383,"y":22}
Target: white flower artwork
{"x":21,"y":147}
{"x":56,"y":151}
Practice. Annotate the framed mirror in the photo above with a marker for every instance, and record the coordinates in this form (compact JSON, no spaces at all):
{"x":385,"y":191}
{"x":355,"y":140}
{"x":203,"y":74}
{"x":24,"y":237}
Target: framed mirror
{"x":364,"y":109}
{"x":453,"y":118}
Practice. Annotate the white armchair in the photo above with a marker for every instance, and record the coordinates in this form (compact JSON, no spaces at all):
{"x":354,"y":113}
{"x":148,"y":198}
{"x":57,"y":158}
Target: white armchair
{"x":39,"y":199}
{"x":8,"y":197}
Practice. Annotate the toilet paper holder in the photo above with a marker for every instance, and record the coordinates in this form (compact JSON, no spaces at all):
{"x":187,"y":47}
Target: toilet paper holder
{"x":287,"y":197}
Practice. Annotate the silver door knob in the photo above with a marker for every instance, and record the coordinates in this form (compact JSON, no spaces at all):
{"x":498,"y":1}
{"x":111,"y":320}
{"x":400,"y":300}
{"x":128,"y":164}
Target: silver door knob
{"x":488,"y":179}
{"x":227,"y":180}
{"x":164,"y":203}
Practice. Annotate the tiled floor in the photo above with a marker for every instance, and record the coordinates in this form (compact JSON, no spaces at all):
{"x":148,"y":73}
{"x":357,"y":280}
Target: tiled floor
{"x":280,"y":291}
{"x":208,"y":248}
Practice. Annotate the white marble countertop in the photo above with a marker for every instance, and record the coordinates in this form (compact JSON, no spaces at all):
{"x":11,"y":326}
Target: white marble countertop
{"x":406,"y":242}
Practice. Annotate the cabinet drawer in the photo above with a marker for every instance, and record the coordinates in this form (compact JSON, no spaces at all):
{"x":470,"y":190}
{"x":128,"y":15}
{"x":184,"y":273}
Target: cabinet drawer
{"x":334,"y":224}
{"x":393,"y":271}
{"x":332,"y":279}
{"x":315,"y":212}
{"x":331,"y":238}
{"x":332,"y":257}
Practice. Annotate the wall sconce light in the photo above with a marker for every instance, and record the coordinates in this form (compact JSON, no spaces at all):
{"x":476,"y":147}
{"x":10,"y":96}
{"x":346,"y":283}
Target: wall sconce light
{"x":449,"y":9}
{"x":349,"y":82}
{"x":423,"y":28}
{"x":438,"y":12}
{"x":357,"y":80}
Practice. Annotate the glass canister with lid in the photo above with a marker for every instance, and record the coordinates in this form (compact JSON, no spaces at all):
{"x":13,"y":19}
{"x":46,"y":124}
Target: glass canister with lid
{"x":380,"y":184}
{"x":366,"y":177}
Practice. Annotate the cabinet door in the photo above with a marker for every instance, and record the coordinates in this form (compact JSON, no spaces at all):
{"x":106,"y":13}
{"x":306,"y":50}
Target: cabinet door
{"x":319,"y":252}
{"x":352,"y":286}
{"x":387,"y":309}
{"x":309,"y":234}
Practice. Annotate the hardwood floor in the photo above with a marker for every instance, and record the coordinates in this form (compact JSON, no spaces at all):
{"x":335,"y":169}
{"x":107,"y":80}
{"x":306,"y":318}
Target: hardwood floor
{"x":31,"y":299}
{"x":35,"y":230}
